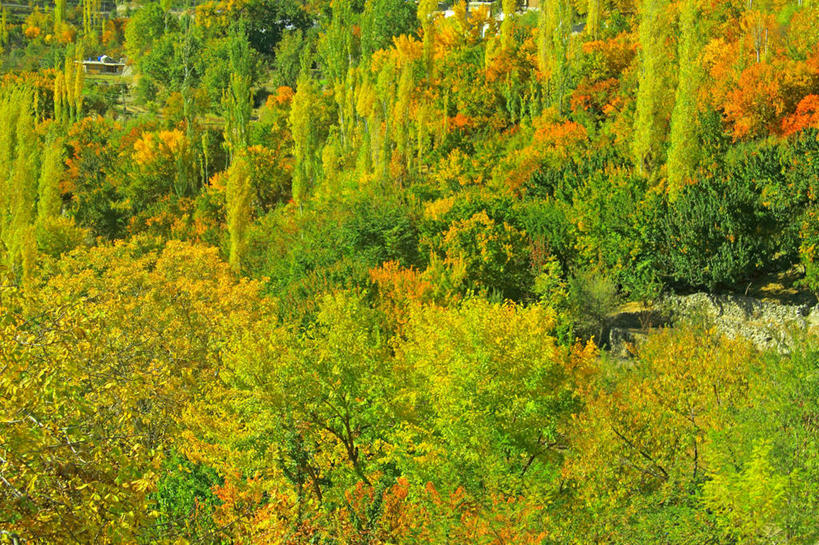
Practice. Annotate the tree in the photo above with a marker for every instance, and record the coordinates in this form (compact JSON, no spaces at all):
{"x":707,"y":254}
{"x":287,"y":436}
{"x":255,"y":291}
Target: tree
{"x":683,"y":151}
{"x":98,"y":371}
{"x":4,"y":26}
{"x":237,"y":106}
{"x":637,"y":452}
{"x":237,"y":99}
{"x":68,"y":87}
{"x":19,"y":186}
{"x":554,"y":36}
{"x":59,"y":15}
{"x":90,"y":16}
{"x":305,"y":138}
{"x":485,"y":396}
{"x":426,"y":16}
{"x":507,"y":25}
{"x":238,"y":195}
{"x":50,"y":202}
{"x":652,"y":108}
{"x":593,"y":15}
{"x":383,"y":20}
{"x":319,"y":397}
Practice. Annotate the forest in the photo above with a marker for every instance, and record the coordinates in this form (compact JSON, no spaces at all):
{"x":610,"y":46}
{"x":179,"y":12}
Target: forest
{"x":340,"y":272}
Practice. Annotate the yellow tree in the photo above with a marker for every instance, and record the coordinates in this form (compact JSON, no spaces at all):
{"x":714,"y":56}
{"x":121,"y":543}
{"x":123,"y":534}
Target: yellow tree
{"x":553,"y":40}
{"x":683,"y":147}
{"x":653,"y":104}
{"x":59,"y":15}
{"x":90,"y":16}
{"x":507,"y":25}
{"x":238,"y":195}
{"x":305,"y":138}
{"x":59,"y":97}
{"x":68,"y":87}
{"x":19,"y":149}
{"x":49,"y":203}
{"x":640,"y":441}
{"x":4,"y":26}
{"x":93,"y":390}
{"x":593,"y":14}
{"x":426,"y":16}
{"x":237,"y":106}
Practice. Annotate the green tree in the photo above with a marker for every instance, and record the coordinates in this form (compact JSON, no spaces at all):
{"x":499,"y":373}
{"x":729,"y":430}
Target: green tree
{"x":383,"y":20}
{"x":237,"y":98}
{"x":485,"y":394}
{"x":4,"y":25}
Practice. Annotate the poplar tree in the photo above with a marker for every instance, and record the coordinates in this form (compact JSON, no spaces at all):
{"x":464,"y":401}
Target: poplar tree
{"x":79,"y":84}
{"x":652,"y":105}
{"x":386,"y":90}
{"x":4,"y":26}
{"x":236,"y":100}
{"x":237,"y":109}
{"x":9,"y":112}
{"x":238,"y":194}
{"x":554,"y":35}
{"x":68,"y":87}
{"x":507,"y":28}
{"x":68,"y":80}
{"x":683,"y":152}
{"x":49,"y":203}
{"x":367,"y":109}
{"x":59,"y":98}
{"x":426,"y":16}
{"x":90,"y":16}
{"x":593,"y":19}
{"x":401,"y":112}
{"x":305,"y":138}
{"x":337,"y":51}
{"x":18,"y":153}
{"x":59,"y":15}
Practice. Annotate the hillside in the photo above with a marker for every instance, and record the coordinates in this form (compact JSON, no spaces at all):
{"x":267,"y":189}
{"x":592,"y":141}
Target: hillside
{"x":377,"y":272}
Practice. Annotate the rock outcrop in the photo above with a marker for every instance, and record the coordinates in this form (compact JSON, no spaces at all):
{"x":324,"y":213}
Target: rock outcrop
{"x":768,"y":325}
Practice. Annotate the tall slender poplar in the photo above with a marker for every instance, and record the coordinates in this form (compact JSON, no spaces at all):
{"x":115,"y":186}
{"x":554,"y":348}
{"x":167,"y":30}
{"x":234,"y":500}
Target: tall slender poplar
{"x":652,"y":109}
{"x":426,"y":16}
{"x":237,"y":109}
{"x":593,"y":10}
{"x":683,"y":152}
{"x":507,"y":27}
{"x":49,"y":203}
{"x":238,"y":194}
{"x":553,"y":40}
{"x":305,"y":139}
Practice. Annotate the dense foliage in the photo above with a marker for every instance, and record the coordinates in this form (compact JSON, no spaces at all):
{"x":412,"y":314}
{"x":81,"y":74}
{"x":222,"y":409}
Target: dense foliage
{"x":341,"y":272}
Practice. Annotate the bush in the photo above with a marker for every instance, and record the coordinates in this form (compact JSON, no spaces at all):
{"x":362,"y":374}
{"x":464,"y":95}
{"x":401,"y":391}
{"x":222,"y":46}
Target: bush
{"x":593,"y":298}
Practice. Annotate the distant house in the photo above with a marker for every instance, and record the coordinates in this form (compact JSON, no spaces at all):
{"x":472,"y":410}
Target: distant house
{"x":104,"y":65}
{"x":472,"y":5}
